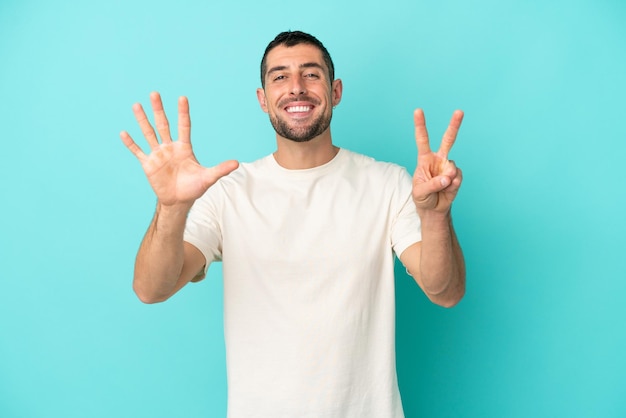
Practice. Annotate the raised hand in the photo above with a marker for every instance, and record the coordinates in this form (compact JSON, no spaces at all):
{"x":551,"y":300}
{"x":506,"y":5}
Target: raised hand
{"x":436,"y":180}
{"x":171,"y":167}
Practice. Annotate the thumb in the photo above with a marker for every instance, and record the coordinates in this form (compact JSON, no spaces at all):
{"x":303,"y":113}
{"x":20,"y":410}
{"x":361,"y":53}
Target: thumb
{"x":436,"y":184}
{"x":425,"y":192}
{"x":214,"y":173}
{"x":443,"y":181}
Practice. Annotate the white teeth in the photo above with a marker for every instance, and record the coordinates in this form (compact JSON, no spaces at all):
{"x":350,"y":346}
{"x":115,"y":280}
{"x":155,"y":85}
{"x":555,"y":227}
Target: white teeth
{"x":298,"y":109}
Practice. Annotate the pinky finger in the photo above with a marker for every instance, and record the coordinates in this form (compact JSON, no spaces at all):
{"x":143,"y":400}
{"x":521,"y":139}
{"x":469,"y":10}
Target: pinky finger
{"x":132,"y":146}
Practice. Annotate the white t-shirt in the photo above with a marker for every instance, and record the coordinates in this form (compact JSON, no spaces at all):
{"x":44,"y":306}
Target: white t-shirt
{"x":308,"y":264}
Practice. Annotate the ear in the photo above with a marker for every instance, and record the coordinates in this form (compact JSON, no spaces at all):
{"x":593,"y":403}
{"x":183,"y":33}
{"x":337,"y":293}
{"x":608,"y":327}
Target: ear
{"x":260,"y":95}
{"x":336,"y":91}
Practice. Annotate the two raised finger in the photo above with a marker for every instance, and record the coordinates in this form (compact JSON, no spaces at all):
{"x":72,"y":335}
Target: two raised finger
{"x":421,"y":133}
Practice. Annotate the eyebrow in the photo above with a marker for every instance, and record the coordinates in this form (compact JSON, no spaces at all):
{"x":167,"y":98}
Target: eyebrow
{"x":303,"y":65}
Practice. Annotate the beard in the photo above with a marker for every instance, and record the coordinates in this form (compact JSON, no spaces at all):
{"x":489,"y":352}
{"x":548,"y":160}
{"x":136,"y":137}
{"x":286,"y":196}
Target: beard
{"x":302,"y":133}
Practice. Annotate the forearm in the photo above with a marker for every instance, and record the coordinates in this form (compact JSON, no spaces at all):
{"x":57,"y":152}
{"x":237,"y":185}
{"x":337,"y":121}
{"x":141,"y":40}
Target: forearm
{"x":442,"y":268}
{"x":160,"y":258}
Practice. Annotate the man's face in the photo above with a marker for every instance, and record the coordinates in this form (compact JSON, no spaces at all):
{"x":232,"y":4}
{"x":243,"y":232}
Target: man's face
{"x":298,"y":95}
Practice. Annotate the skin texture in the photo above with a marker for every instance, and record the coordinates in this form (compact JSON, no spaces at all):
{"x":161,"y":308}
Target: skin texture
{"x":164,"y":264}
{"x":298,"y":97}
{"x":304,"y":85}
{"x":298,"y":76}
{"x":436,"y":263}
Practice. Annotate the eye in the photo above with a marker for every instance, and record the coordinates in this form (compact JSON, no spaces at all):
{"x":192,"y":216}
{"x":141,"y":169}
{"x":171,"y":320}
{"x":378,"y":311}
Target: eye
{"x":279,"y":77}
{"x":312,"y":75}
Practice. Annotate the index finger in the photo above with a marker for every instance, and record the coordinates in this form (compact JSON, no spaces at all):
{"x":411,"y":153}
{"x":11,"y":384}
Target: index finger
{"x":450,"y":135}
{"x":421,"y":134}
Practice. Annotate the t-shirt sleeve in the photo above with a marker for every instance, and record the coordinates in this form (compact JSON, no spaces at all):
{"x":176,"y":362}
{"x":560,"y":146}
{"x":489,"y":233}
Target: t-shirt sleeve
{"x":406,"y":228}
{"x":202,"y":229}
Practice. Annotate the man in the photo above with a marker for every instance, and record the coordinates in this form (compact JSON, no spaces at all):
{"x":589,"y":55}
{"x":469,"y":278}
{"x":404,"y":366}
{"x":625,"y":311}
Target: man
{"x":307,"y":237}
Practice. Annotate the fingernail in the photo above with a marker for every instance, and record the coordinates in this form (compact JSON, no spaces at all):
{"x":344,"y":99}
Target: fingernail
{"x":444,"y":181}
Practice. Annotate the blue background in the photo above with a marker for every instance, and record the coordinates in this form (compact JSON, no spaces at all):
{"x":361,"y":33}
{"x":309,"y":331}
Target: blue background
{"x":541,"y":330}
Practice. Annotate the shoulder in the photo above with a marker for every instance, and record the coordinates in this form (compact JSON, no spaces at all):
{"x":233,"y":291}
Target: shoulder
{"x":369,"y":165}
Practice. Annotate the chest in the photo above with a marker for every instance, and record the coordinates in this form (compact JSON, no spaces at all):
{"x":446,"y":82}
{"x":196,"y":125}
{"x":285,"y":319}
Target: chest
{"x":305,"y":220}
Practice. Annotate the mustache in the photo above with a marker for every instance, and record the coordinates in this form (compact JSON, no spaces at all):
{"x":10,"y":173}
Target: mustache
{"x":301,"y":98}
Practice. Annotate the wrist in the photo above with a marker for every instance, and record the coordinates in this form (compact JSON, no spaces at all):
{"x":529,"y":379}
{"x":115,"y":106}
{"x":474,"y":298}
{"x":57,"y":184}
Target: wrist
{"x":174,"y":210}
{"x":432,"y":217}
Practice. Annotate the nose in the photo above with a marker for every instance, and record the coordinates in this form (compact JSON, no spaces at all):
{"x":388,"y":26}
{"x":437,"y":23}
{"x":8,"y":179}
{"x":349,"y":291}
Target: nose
{"x":297,"y":86}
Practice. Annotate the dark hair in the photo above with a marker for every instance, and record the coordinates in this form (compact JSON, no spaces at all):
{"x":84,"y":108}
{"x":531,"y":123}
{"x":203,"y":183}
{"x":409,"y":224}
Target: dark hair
{"x":293,"y":38}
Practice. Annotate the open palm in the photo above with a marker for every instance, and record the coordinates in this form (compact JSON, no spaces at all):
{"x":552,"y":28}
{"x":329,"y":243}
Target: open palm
{"x":171,"y":167}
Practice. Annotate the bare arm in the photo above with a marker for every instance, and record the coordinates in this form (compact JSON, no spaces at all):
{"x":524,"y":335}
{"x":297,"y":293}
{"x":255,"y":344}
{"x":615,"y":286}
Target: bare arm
{"x":436,"y":262}
{"x":165,"y":263}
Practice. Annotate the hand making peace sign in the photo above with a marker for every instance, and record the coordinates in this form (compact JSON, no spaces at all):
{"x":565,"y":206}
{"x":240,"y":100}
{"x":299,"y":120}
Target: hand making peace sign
{"x":171,"y":167}
{"x":436,"y":180}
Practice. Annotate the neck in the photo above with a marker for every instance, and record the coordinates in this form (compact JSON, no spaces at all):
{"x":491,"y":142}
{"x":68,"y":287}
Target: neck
{"x":302,"y":155}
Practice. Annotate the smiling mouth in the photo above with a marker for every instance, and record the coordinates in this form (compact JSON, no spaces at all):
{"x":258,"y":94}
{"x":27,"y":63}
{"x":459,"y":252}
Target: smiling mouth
{"x":298,"y":109}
